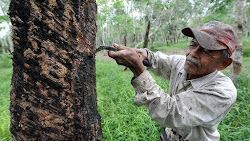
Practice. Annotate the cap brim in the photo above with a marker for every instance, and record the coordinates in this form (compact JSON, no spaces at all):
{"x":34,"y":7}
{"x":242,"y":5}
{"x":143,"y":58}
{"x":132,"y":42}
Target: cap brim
{"x":204,"y":39}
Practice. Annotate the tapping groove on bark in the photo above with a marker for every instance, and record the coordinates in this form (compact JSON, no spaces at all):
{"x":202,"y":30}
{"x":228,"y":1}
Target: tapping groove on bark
{"x":53,"y":94}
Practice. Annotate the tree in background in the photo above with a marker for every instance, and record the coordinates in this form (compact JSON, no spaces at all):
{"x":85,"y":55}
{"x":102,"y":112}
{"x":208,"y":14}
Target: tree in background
{"x":238,"y":54}
{"x":150,"y":15}
{"x":53,"y":94}
{"x":246,"y":18}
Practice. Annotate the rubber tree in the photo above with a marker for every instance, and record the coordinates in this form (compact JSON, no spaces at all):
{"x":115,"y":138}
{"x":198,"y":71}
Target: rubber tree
{"x":238,"y":54}
{"x":53,"y":94}
{"x":150,"y":15}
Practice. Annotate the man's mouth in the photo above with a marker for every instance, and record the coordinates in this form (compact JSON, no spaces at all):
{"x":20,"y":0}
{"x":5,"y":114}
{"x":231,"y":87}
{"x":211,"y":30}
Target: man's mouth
{"x":192,"y":60}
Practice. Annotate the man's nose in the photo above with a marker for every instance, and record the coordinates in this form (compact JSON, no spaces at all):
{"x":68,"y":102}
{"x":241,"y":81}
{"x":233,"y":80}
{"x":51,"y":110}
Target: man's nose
{"x":195,"y":52}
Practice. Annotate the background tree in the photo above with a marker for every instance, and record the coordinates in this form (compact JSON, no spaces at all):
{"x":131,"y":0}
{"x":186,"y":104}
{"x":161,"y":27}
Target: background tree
{"x":238,"y":54}
{"x":246,"y":19}
{"x":53,"y":94}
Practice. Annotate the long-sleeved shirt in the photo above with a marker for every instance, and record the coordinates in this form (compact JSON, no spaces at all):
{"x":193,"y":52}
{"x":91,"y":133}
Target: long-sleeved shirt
{"x":194,"y":108}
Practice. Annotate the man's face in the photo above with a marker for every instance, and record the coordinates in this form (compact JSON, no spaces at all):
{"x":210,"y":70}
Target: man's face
{"x":200,"y":61}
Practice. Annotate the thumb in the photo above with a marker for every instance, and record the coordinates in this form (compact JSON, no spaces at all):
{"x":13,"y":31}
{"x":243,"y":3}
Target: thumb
{"x":111,"y":54}
{"x":114,"y":54}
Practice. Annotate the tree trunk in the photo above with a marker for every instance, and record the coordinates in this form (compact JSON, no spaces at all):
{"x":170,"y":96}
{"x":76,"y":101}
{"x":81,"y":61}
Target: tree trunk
{"x":152,"y":41}
{"x":165,"y":37}
{"x":169,"y":32}
{"x":3,"y":44}
{"x":53,"y":94}
{"x":133,"y":21}
{"x":126,"y":27}
{"x":10,"y":43}
{"x":119,"y":32}
{"x":238,"y":54}
{"x":149,"y":35}
{"x":146,"y":39}
{"x":102,"y":33}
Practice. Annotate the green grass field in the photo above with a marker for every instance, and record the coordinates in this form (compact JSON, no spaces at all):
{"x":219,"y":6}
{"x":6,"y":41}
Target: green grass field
{"x":121,"y":118}
{"x":5,"y":78}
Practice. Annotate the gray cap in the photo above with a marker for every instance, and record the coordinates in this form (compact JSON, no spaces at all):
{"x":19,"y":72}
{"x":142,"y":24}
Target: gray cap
{"x":214,"y":36}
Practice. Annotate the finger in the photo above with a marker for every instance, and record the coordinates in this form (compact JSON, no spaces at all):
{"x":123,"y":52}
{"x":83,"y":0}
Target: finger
{"x":111,"y":54}
{"x":119,"y":47}
{"x":120,"y":62}
{"x":114,"y":54}
{"x":142,"y":52}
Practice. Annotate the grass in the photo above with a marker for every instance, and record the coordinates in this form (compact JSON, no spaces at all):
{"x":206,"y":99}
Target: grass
{"x":5,"y":77}
{"x":121,"y":118}
{"x":236,"y":125}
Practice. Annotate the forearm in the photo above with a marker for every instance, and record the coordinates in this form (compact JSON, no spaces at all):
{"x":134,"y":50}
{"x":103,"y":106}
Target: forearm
{"x":157,"y":102}
{"x":137,"y":71}
{"x":160,"y":64}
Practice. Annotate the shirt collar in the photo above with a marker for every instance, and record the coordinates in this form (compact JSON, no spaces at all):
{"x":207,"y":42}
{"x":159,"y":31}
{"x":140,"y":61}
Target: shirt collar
{"x":199,"y":82}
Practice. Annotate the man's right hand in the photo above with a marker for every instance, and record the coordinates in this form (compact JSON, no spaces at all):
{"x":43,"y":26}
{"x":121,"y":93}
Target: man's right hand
{"x":129,"y":57}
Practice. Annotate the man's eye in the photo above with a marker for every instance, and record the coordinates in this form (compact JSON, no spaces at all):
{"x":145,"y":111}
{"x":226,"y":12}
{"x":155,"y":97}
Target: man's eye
{"x":206,"y":51}
{"x":193,"y":44}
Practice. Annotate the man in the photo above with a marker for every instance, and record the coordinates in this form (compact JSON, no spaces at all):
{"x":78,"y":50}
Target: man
{"x":199,"y":95}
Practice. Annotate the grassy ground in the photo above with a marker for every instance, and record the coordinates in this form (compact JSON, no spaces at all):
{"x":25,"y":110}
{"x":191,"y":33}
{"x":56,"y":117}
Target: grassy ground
{"x":122,"y":119}
{"x":5,"y":76}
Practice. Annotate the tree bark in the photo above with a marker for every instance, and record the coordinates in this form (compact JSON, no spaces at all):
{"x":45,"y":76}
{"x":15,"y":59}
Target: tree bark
{"x":238,"y":54}
{"x":165,"y":37}
{"x":126,"y":28}
{"x":133,"y":21}
{"x":152,"y":33}
{"x":146,"y":38}
{"x":119,"y":32}
{"x":4,"y":45}
{"x":102,"y":33}
{"x":152,"y":41}
{"x":53,"y":94}
{"x":10,"y":43}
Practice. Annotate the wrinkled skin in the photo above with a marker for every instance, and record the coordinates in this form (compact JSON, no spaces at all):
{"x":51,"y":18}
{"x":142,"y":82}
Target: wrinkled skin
{"x":200,"y":61}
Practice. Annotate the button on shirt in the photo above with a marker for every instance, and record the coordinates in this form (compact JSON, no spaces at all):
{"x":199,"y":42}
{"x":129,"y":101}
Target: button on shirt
{"x":193,"y":108}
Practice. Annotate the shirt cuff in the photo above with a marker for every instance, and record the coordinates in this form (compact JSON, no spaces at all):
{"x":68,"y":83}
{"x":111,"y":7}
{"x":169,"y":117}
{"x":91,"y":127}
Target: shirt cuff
{"x":149,"y":54}
{"x":143,"y":82}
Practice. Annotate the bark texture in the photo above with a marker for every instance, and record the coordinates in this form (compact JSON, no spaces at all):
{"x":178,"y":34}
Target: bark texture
{"x":238,"y":54}
{"x":146,"y":38}
{"x":53,"y":94}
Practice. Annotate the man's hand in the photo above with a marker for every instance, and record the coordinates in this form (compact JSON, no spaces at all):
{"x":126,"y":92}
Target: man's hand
{"x":129,"y":57}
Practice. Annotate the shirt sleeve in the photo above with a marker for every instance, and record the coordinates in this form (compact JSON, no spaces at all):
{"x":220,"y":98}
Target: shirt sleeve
{"x":204,"y":107}
{"x":162,"y":64}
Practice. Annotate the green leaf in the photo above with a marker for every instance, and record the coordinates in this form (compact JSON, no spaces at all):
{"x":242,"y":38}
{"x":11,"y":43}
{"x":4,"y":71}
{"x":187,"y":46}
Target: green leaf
{"x":4,"y":18}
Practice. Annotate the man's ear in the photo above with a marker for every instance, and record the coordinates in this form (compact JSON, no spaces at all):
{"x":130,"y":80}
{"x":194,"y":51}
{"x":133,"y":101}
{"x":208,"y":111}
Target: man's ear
{"x":225,"y":63}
